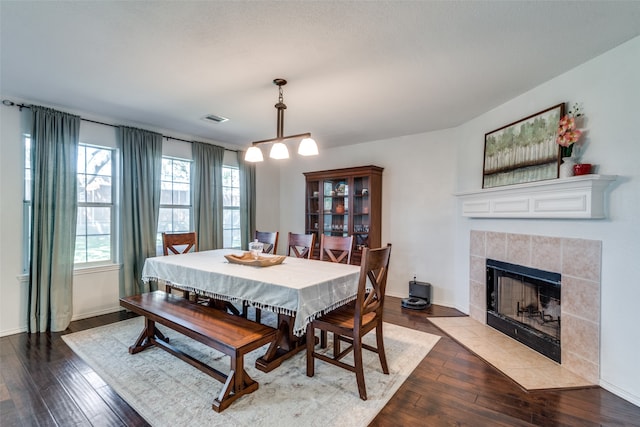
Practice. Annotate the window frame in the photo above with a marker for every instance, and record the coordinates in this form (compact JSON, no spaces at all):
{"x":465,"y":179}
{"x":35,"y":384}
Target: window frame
{"x":226,"y":208}
{"x":27,"y":208}
{"x":173,"y":206}
{"x":113,"y":234}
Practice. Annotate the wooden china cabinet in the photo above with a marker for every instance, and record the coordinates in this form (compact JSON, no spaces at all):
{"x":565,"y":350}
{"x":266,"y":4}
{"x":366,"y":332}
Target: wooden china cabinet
{"x":345,"y":202}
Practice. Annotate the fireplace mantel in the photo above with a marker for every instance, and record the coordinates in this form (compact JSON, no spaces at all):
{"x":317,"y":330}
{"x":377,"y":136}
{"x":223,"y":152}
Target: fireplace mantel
{"x":574,"y":197}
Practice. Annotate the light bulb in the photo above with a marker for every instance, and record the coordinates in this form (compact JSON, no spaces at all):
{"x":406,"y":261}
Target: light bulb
{"x":253,"y":154}
{"x":308,"y":147}
{"x":279,"y":151}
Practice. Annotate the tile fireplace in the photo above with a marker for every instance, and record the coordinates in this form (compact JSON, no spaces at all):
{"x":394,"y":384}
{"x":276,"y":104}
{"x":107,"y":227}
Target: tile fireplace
{"x":576,"y":261}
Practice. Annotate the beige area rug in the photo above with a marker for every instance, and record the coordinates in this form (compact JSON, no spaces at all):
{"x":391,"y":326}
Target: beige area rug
{"x":525,"y":366}
{"x":169,"y":392}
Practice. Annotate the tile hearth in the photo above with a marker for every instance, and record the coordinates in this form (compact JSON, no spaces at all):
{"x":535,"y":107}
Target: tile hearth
{"x":531,"y":370}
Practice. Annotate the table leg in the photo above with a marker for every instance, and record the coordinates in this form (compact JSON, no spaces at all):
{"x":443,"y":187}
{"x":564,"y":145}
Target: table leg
{"x":285,"y":345}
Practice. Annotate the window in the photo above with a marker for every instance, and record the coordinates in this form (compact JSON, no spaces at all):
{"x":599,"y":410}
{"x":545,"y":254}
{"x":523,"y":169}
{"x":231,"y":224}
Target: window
{"x":26,"y":204}
{"x":175,"y":198}
{"x":231,"y":206}
{"x":94,"y":237}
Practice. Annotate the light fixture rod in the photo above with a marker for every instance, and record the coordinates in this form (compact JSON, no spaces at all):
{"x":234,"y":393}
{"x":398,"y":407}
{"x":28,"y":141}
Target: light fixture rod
{"x":282,"y":138}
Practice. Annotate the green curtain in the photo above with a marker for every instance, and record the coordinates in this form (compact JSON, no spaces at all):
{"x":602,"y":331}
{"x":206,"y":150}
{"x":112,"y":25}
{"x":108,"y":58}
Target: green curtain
{"x":247,"y":172}
{"x":54,"y":162}
{"x":207,"y":195}
{"x":141,"y":168}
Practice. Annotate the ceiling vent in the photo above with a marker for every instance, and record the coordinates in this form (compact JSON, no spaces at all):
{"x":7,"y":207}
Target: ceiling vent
{"x":215,"y":119}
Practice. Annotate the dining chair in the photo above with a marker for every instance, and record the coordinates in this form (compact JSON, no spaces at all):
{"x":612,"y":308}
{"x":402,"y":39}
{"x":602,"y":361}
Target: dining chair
{"x":350,"y":323}
{"x":269,"y":239}
{"x":336,"y":248}
{"x":179,"y":243}
{"x":301,"y":245}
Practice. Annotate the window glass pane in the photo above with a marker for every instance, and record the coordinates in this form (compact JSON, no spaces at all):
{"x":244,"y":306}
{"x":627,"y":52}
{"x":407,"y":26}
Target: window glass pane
{"x":236,"y":239}
{"x":226,"y":177}
{"x":235,"y":177}
{"x":235,"y":221}
{"x":181,"y":194}
{"x":181,"y":219}
{"x":81,"y":250}
{"x":227,"y":197}
{"x":164,"y":220}
{"x":98,"y":189}
{"x":235,"y":200}
{"x":81,"y":226}
{"x":98,"y":248}
{"x":181,"y":171}
{"x":98,"y":220}
{"x":82,"y":185}
{"x":165,"y":193}
{"x":227,"y":219}
{"x":82,"y":159}
{"x":227,"y":237}
{"x":98,"y":161}
{"x":167,"y":169}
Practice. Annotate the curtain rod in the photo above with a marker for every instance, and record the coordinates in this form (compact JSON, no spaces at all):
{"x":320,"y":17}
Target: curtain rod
{"x":9,"y":103}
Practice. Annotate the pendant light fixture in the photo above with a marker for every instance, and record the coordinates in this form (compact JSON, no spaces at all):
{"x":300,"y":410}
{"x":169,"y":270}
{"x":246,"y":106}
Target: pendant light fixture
{"x":279,"y":150}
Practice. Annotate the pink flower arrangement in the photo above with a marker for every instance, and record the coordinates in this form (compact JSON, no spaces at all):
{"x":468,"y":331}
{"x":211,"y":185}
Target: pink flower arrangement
{"x":567,"y":132}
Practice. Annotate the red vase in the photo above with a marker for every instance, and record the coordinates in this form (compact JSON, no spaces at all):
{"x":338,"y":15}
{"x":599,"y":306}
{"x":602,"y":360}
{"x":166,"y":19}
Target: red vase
{"x":582,"y":169}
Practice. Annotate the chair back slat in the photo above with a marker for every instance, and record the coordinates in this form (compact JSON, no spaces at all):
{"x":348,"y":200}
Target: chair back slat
{"x":301,"y":245}
{"x":374,"y":266}
{"x":269,"y":240}
{"x":179,"y":243}
{"x":336,"y":248}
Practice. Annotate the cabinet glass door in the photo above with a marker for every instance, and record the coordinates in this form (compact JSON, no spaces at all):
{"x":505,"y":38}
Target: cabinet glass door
{"x":336,"y":207}
{"x":313,"y":208}
{"x":361,"y":209}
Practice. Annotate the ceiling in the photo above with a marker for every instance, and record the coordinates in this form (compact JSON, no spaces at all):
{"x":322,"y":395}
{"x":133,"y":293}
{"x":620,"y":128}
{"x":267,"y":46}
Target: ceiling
{"x":357,"y":71}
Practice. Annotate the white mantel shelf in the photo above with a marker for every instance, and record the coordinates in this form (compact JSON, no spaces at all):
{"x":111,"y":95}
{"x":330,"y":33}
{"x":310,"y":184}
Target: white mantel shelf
{"x":574,"y":197}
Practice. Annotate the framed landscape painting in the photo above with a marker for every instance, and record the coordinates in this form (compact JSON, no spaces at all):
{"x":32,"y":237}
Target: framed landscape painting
{"x":523,"y":151}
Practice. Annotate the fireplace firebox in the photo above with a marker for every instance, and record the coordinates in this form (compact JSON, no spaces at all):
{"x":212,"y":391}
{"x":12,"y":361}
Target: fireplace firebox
{"x":524,"y":303}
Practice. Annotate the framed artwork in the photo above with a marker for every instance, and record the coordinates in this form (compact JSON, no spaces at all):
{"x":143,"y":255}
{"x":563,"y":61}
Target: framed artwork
{"x":523,"y":151}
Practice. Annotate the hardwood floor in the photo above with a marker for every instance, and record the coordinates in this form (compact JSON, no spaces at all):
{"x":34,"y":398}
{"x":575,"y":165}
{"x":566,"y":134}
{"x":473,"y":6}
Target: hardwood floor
{"x":44,"y":383}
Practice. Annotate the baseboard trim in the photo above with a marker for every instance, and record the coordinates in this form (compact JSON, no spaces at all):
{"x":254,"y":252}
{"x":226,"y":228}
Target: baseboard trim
{"x":109,"y":310}
{"x":620,"y":392}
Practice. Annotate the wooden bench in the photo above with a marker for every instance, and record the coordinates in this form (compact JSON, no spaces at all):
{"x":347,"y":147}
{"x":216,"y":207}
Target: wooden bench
{"x":232,"y":335}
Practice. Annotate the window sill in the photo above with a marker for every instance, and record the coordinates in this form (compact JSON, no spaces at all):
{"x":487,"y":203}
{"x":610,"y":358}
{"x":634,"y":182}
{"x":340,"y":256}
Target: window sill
{"x":24,"y":278}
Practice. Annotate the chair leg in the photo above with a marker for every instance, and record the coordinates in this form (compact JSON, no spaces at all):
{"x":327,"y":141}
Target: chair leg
{"x":357,"y":358}
{"x":258,"y":315}
{"x":336,"y":345}
{"x":380,"y":345}
{"x":323,"y":339}
{"x":311,"y":341}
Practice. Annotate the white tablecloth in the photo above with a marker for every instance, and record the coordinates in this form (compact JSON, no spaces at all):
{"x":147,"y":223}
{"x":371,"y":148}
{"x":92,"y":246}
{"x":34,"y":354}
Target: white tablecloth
{"x":298,"y":287}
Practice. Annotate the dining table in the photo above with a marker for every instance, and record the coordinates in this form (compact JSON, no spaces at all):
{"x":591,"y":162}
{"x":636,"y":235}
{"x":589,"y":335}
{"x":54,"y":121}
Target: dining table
{"x":298,"y":290}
